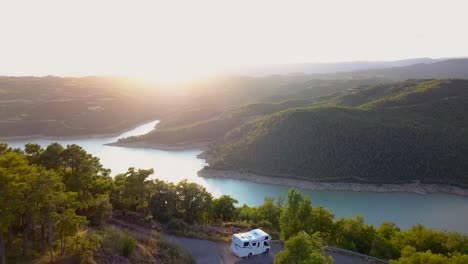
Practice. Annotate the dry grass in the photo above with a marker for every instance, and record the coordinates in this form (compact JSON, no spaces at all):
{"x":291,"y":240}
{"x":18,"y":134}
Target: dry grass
{"x":216,"y":232}
{"x":146,"y":249}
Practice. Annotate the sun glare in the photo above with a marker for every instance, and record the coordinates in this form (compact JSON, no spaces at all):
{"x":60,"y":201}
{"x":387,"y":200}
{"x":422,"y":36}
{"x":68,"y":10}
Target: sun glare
{"x":176,"y":74}
{"x":180,"y":40}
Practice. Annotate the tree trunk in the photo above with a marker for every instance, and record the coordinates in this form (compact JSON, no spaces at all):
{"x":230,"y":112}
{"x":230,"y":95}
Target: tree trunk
{"x":51,"y":253}
{"x":50,"y":239}
{"x":32,"y":224}
{"x":10,"y":238}
{"x":2,"y":249}
{"x":25,"y":241}
{"x":27,"y":227}
{"x":43,"y":237}
{"x":62,"y":245}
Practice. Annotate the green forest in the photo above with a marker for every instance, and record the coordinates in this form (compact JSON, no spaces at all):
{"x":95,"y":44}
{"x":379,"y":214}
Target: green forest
{"x":55,"y":206}
{"x":217,"y":106}
{"x":58,"y":204}
{"x":413,"y":131}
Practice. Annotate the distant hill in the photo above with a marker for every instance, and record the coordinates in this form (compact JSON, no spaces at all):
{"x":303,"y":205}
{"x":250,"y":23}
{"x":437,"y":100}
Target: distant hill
{"x":302,"y":91}
{"x":420,"y":68}
{"x":177,"y":132}
{"x":453,"y":68}
{"x":203,"y":111}
{"x":66,"y":106}
{"x":397,"y":133}
{"x":322,"y":68}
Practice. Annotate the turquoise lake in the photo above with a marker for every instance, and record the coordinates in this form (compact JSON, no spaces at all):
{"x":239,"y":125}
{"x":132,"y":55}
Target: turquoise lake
{"x":441,"y":211}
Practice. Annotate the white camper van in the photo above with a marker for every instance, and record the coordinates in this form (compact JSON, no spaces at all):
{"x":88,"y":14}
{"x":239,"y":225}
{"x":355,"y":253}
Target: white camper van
{"x":251,"y":243}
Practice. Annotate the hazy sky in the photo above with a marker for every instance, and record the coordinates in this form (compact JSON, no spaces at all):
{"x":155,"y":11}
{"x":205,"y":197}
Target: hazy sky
{"x":179,"y":39}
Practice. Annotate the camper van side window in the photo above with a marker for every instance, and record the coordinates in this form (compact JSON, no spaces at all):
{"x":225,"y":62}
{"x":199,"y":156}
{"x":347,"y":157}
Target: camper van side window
{"x":246,"y":244}
{"x":254,"y":244}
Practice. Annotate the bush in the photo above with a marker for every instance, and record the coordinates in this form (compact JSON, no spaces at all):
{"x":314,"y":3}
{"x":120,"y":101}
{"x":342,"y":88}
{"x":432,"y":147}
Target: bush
{"x":304,"y":248}
{"x":128,"y":244}
{"x":176,"y":226}
{"x":264,"y":224}
{"x":118,"y":241}
{"x":409,"y":255}
{"x":83,"y":245}
{"x":173,"y":253}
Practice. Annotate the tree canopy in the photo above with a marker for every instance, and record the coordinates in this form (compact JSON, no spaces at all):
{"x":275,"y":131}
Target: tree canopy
{"x":50,"y":197}
{"x":303,"y":248}
{"x":415,"y":131}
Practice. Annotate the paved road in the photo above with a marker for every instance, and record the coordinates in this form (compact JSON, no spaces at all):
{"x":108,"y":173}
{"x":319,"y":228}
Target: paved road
{"x":211,"y":252}
{"x":214,"y":252}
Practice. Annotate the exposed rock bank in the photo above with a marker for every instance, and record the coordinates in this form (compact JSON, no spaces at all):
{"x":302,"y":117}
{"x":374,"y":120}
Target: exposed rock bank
{"x":329,"y":186}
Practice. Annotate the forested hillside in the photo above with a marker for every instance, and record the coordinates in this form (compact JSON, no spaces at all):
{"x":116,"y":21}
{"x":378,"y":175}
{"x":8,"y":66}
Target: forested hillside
{"x":398,"y":133}
{"x":210,"y":124}
{"x":57,"y":106}
{"x":70,"y":106}
{"x":222,"y":104}
{"x":213,"y":128}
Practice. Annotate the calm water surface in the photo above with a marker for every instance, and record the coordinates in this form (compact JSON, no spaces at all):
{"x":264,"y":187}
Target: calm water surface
{"x":448,"y":212}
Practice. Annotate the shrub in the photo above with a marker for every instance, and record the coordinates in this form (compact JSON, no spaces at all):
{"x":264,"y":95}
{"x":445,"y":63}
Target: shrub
{"x":118,"y":241}
{"x":128,"y":244}
{"x":83,"y":245}
{"x":176,"y":226}
{"x":173,"y":253}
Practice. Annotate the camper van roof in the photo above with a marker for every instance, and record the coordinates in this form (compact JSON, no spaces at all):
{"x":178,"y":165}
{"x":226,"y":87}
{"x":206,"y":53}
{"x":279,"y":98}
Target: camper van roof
{"x":251,"y":235}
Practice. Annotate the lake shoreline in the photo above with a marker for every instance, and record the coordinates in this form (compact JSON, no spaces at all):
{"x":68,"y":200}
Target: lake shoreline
{"x":173,"y":166}
{"x":178,"y":147}
{"x":417,"y":188}
{"x":76,"y":137}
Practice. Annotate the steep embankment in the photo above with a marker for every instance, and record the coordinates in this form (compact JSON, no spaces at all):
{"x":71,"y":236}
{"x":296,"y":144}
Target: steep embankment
{"x":414,"y":131}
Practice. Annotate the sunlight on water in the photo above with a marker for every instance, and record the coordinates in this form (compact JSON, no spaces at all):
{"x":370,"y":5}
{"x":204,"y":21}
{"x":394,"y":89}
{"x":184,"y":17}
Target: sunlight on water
{"x":435,"y":210}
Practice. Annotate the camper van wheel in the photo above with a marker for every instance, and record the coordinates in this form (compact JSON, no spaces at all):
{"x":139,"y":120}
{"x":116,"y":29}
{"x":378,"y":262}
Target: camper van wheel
{"x":250,"y":254}
{"x":267,"y":250}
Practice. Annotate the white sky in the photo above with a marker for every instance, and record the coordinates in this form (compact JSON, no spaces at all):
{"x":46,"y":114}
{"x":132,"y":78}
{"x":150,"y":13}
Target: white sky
{"x":180,"y":39}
